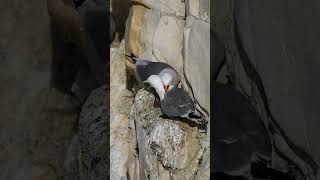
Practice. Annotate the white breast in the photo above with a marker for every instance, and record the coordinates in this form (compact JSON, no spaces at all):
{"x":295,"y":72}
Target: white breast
{"x":157,"y":84}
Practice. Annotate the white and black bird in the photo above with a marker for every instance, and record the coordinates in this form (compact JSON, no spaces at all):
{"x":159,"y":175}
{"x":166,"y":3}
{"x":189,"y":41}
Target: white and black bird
{"x":161,"y":76}
{"x":178,"y":103}
{"x":174,"y":101}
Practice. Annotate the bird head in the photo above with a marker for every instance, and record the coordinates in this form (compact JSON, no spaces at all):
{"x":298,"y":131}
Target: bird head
{"x":167,"y":82}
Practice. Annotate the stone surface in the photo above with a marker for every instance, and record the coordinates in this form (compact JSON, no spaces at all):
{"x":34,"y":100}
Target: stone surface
{"x":168,"y":7}
{"x":167,"y":41}
{"x":197,"y":59}
{"x":119,"y":12}
{"x":31,"y":138}
{"x":147,"y":33}
{"x":151,"y":29}
{"x":122,"y":138}
{"x":71,"y":162}
{"x":133,"y":29}
{"x":38,"y":138}
{"x":165,"y":145}
{"x":199,"y":9}
{"x":159,"y":37}
{"x":284,"y":55}
{"x":158,"y":31}
{"x":278,"y":48}
{"x":193,"y":7}
{"x":93,"y":136}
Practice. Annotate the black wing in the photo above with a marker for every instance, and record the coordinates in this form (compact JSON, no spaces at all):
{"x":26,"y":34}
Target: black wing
{"x":177,"y":103}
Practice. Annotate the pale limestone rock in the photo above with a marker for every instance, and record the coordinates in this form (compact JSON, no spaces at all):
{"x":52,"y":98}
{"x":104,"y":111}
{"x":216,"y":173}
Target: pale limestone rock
{"x":134,"y":27}
{"x":151,"y":21}
{"x":156,"y":37}
{"x":167,"y":41}
{"x":199,"y":9}
{"x":119,"y":147}
{"x":166,"y":149}
{"x":193,"y":7}
{"x":121,"y":137}
{"x":168,"y":7}
{"x":204,"y":169}
{"x":197,"y":59}
{"x":170,"y":149}
{"x":165,"y":145}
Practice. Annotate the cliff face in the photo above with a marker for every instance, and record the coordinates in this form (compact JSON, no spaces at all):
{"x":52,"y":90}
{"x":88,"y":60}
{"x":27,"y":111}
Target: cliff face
{"x":281,"y":46}
{"x":144,"y":144}
{"x":289,"y":72}
{"x":37,"y":125}
{"x":36,"y":121}
{"x":177,"y":33}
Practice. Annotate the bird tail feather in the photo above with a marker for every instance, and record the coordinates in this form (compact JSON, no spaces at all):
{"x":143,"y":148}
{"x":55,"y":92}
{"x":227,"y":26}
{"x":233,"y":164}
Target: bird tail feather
{"x":134,"y":59}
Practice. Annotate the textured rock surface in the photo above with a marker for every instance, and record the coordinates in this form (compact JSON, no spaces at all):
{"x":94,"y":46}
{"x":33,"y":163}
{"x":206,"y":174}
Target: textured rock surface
{"x":167,"y":148}
{"x":87,"y":153}
{"x":122,"y":137}
{"x":199,"y":9}
{"x":157,"y":31}
{"x":119,"y":11}
{"x":150,"y":28}
{"x":38,"y":139}
{"x":35,"y":122}
{"x":196,"y":59}
{"x":94,"y":137}
{"x":157,"y":34}
{"x":169,"y":7}
{"x":287,"y":76}
{"x":278,"y":49}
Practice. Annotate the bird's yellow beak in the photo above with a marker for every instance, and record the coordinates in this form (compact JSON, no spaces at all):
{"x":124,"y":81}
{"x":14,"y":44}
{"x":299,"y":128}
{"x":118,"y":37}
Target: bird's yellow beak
{"x":166,"y":88}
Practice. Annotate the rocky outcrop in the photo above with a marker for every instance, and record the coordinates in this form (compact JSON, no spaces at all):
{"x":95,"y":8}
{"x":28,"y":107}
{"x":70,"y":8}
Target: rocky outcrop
{"x":35,"y":121}
{"x":87,"y":153}
{"x":78,"y":47}
{"x":277,"y":50}
{"x":167,"y":148}
{"x":177,"y":33}
{"x":119,"y":12}
{"x":197,"y":59}
{"x":38,"y":137}
{"x":93,"y":136}
{"x":122,"y":135}
{"x":157,"y":31}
